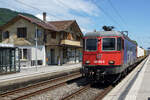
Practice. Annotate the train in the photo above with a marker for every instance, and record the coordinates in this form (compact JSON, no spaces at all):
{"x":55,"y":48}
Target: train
{"x":108,"y":55}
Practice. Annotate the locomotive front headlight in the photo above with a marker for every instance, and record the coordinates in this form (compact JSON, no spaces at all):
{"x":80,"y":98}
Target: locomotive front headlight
{"x":87,"y":62}
{"x":111,"y":62}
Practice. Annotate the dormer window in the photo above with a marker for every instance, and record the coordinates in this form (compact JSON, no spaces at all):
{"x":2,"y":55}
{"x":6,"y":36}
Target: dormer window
{"x":6,"y":35}
{"x":22,"y":32}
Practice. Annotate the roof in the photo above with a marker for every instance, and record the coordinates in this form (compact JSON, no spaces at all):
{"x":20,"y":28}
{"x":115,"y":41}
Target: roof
{"x":107,"y":33}
{"x":51,"y":25}
{"x":103,"y":33}
{"x":40,"y":23}
{"x":62,"y":25}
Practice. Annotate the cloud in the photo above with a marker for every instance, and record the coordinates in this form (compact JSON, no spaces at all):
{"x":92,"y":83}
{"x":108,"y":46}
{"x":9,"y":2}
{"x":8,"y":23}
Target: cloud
{"x":84,"y":30}
{"x":79,"y":6}
{"x":82,"y":21}
{"x":48,"y":18}
{"x":83,"y":11}
{"x":60,"y":6}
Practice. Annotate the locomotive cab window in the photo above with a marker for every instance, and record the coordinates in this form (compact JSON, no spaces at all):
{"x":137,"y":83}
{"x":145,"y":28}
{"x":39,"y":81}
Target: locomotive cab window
{"x":91,"y":44}
{"x":119,"y":44}
{"x":108,"y":44}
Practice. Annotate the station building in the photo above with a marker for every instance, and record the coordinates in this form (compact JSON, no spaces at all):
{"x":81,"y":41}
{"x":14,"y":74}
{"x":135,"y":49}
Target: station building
{"x":58,"y":42}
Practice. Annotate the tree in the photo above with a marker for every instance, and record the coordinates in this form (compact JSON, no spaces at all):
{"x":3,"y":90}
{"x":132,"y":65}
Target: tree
{"x":108,"y":28}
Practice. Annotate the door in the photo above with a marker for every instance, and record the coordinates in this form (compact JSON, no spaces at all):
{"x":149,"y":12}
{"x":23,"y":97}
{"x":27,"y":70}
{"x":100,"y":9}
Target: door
{"x":52,"y":56}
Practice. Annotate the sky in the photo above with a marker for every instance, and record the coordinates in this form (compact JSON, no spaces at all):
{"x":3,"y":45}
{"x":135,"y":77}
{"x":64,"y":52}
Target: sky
{"x":125,"y":15}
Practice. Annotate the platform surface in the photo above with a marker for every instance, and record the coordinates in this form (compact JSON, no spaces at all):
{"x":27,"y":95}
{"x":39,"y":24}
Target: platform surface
{"x":136,"y":86}
{"x":36,"y":72}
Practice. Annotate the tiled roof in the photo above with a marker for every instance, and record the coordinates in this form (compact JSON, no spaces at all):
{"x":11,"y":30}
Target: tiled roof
{"x":62,"y":25}
{"x":41,"y":23}
{"x":51,"y":25}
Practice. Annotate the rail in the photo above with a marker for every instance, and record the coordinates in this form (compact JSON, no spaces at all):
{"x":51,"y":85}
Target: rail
{"x":68,"y":77}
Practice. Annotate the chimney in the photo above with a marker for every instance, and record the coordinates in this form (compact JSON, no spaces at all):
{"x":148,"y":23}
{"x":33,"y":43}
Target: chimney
{"x":44,"y":16}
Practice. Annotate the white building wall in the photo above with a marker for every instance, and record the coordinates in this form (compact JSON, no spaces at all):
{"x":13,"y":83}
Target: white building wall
{"x":31,"y":52}
{"x":40,"y":54}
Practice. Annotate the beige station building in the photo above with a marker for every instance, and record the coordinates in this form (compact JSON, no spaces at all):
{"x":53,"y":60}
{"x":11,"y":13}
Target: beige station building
{"x":58,"y":42}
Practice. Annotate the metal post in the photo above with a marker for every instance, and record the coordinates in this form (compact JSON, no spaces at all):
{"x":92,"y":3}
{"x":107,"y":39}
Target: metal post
{"x":36,"y":47}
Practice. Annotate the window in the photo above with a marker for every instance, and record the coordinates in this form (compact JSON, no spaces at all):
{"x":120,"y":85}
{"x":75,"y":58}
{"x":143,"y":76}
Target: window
{"x":91,"y":44}
{"x":53,"y":35}
{"x":83,"y":44}
{"x":39,"y":33}
{"x":6,"y":35}
{"x":108,"y":44}
{"x":22,"y":32}
{"x":39,"y":62}
{"x":23,"y":53}
{"x":119,"y":44}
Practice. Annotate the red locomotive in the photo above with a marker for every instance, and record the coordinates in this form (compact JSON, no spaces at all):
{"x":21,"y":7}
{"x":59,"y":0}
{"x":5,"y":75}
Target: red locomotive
{"x":107,"y":53}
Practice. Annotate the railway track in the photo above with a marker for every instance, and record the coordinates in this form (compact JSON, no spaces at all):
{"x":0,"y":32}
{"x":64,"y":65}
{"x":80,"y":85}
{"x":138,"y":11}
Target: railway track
{"x":68,"y":97}
{"x":29,"y":91}
{"x":100,"y":95}
{"x":86,"y":88}
{"x":13,"y":95}
{"x":103,"y":93}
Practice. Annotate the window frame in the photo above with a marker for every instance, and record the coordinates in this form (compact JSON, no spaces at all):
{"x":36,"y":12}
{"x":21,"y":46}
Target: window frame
{"x":6,"y":36}
{"x":115,"y":44}
{"x":86,"y":46}
{"x":120,"y":43}
{"x":21,"y":52}
{"x":21,"y":35}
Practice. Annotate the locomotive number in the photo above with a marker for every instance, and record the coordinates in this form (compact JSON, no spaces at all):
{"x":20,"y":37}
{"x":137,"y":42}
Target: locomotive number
{"x":99,"y":61}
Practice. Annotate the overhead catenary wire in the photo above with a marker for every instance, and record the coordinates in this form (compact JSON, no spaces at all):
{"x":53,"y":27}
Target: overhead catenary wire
{"x":108,"y":15}
{"x":38,"y":9}
{"x":117,"y":12}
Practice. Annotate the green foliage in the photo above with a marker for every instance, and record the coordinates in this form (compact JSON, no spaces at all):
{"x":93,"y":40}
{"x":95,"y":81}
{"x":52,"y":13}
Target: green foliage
{"x":7,"y":14}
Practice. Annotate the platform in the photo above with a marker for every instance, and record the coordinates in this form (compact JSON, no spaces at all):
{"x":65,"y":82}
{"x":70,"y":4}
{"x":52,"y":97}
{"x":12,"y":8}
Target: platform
{"x":136,"y":86}
{"x":30,"y":74}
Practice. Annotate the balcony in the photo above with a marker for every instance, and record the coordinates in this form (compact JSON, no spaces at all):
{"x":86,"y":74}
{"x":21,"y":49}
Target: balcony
{"x":71,"y":43}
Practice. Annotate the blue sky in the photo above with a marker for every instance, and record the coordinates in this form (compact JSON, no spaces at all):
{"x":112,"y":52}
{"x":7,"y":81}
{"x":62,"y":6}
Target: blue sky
{"x":130,"y":15}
